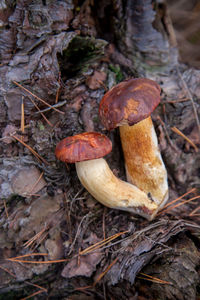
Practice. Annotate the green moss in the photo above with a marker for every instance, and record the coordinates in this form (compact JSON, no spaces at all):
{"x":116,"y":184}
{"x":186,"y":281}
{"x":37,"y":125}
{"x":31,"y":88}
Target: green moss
{"x":80,"y":54}
{"x":194,"y":38}
{"x":77,"y":8}
{"x":41,"y":126}
{"x":116,"y":69}
{"x":16,"y":198}
{"x":95,"y":119}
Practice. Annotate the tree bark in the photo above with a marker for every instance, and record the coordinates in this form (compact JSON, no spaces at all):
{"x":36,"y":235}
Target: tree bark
{"x":68,"y":53}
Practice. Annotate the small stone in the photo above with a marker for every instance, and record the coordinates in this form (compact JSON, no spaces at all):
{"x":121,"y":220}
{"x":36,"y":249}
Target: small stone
{"x":54,"y":247}
{"x":8,"y":131}
{"x":86,"y":266}
{"x":24,"y":181}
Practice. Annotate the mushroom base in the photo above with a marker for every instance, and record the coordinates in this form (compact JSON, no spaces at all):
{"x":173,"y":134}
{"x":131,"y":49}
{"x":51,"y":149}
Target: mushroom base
{"x":96,"y":176}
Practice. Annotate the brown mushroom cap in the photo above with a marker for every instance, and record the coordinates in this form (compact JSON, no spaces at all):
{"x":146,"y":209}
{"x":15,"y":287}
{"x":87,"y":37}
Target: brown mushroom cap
{"x":129,"y":102}
{"x":84,"y":146}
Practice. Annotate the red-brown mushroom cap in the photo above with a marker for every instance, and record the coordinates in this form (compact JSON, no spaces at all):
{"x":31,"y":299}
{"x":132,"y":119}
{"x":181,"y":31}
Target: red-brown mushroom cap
{"x":129,"y":102}
{"x":84,"y":146}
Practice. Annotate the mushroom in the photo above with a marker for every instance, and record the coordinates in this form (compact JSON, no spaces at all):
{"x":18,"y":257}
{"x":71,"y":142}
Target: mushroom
{"x":129,"y":105}
{"x":86,"y":151}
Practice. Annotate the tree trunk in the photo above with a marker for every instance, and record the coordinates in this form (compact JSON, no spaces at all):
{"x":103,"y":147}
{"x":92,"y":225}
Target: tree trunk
{"x":69,"y":53}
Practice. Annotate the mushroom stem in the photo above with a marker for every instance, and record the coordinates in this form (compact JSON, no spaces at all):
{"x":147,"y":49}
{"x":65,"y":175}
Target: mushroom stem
{"x":143,"y":162}
{"x":96,"y":176}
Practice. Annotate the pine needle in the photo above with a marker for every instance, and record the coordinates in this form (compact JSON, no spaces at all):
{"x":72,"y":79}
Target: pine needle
{"x":29,"y":283}
{"x":18,"y":259}
{"x":177,"y":101}
{"x":177,"y":199}
{"x":48,"y":122}
{"x":33,"y":151}
{"x":37,"y":181}
{"x":98,"y":278}
{"x":102,"y":84}
{"x":179,"y":204}
{"x":7,"y":271}
{"x":82,"y":288}
{"x":68,"y":217}
{"x":102,"y":243}
{"x":176,"y":130}
{"x":153,"y":279}
{"x":34,"y":238}
{"x":36,"y":285}
{"x":104,"y":273}
{"x":194,"y":211}
{"x":191,"y":99}
{"x":30,"y":195}
{"x":38,"y":98}
{"x":26,"y":255}
{"x":22,"y":115}
{"x":58,"y":90}
{"x":34,"y":294}
{"x":5,"y":206}
{"x":166,"y":133}
{"x":39,"y":262}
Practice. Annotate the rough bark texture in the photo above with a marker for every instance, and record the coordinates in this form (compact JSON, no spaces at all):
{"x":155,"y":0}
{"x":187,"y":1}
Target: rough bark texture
{"x":72,"y":51}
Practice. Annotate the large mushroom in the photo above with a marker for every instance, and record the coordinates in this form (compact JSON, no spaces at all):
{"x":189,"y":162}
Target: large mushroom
{"x":129,"y":105}
{"x":86,"y":150}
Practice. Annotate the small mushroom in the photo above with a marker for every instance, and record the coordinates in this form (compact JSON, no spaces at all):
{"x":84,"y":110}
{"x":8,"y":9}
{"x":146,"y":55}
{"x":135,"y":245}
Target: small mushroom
{"x":86,"y":151}
{"x":129,"y":105}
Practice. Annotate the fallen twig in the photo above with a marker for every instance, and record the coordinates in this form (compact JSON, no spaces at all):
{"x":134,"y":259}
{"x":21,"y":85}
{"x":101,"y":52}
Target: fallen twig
{"x":59,"y":104}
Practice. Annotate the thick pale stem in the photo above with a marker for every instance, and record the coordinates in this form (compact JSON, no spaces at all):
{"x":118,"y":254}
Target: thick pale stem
{"x":96,"y":176}
{"x":144,"y":165}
